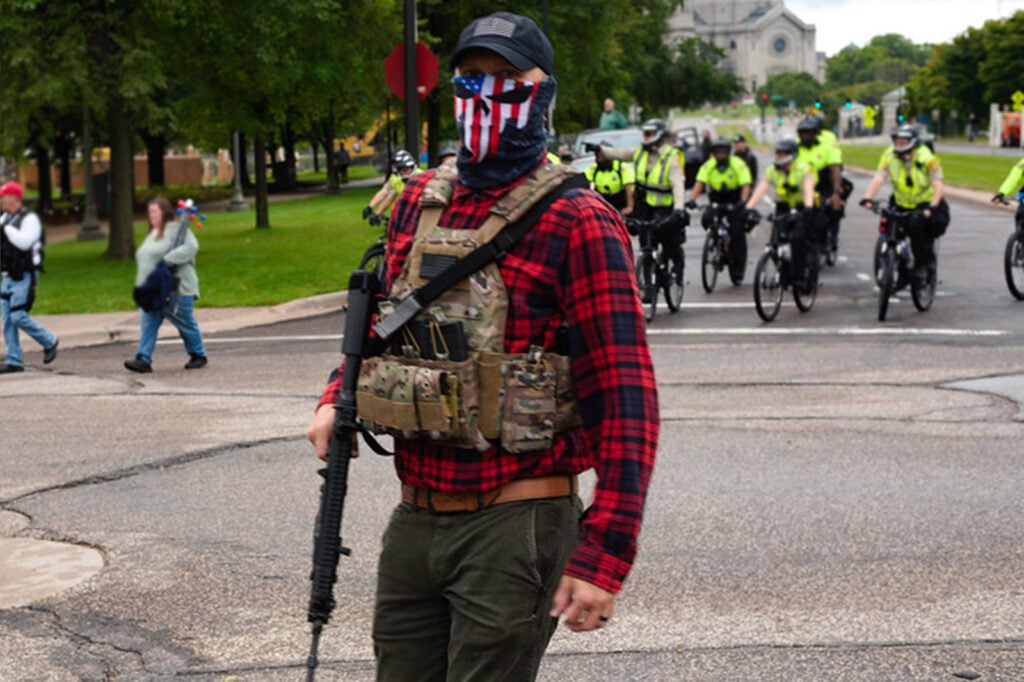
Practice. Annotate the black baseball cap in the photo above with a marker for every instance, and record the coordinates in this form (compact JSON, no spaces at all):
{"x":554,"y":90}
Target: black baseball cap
{"x":514,"y":37}
{"x":739,"y":138}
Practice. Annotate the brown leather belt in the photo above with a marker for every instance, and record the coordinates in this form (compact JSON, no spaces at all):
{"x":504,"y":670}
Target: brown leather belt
{"x":514,"y":491}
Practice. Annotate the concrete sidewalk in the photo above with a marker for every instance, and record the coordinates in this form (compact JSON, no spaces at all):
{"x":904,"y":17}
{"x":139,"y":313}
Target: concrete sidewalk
{"x":92,"y":329}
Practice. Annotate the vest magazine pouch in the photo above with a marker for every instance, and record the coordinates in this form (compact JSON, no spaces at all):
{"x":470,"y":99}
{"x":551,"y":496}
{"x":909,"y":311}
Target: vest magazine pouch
{"x":385,"y":396}
{"x":528,"y":419}
{"x":491,"y":393}
{"x":412,"y":398}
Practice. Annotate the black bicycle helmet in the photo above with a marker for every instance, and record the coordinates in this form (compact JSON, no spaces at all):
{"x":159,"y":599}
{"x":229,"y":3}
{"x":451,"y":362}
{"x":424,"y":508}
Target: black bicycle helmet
{"x":403,"y":159}
{"x":788,"y":147}
{"x":908,"y":134}
{"x":656,"y":126}
{"x":721,"y":143}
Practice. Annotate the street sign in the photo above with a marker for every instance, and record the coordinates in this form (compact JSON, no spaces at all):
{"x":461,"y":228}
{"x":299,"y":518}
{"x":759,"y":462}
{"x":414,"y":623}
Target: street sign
{"x":1018,"y":100}
{"x":426,"y":70}
{"x":869,"y":116}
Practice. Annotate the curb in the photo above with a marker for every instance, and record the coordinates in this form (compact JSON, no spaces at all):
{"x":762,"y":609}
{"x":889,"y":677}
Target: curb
{"x":78,"y":330}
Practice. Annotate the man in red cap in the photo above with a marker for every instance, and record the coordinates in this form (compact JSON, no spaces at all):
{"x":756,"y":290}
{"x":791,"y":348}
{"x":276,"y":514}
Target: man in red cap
{"x":21,"y":247}
{"x":489,"y":546}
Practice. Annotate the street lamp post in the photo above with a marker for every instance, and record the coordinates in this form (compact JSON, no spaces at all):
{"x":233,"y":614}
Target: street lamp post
{"x":90,"y":230}
{"x":238,"y":202}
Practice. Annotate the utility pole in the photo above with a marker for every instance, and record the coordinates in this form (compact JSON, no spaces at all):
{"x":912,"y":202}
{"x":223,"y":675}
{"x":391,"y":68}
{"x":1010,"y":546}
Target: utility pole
{"x":412,"y":134}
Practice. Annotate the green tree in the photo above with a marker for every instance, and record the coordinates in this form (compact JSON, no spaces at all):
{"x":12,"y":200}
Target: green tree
{"x":793,"y":86}
{"x":1001,"y":70}
{"x":889,"y":58}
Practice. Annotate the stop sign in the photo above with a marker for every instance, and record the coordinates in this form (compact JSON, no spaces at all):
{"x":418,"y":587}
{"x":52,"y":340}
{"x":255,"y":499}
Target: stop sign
{"x":426,"y":70}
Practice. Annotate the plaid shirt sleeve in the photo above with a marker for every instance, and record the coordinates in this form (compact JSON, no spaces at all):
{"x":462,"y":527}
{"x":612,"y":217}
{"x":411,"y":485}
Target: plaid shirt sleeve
{"x":573,"y":268}
{"x":615,"y":386}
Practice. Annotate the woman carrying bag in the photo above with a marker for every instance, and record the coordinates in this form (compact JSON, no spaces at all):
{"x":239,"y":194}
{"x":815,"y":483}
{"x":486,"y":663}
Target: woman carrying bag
{"x":172,"y":244}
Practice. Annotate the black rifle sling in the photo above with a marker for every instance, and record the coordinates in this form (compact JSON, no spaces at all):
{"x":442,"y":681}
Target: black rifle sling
{"x":466,"y":266}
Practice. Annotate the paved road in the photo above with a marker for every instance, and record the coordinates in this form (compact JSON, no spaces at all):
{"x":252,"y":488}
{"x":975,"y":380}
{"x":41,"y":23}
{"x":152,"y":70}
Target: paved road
{"x":835,"y":499}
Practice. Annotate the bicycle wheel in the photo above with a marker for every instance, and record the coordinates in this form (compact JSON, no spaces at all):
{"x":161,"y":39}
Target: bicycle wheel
{"x":709,"y":260}
{"x":673,"y":288}
{"x":768,"y":286}
{"x":645,"y":279}
{"x":878,"y":260}
{"x":923,"y":296}
{"x":805,"y":300}
{"x":373,"y":259}
{"x":887,"y":285}
{"x":1013,"y":265}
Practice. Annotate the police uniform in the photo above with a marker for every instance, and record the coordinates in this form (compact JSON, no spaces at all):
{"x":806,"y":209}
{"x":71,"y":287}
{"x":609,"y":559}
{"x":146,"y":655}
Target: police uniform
{"x":725,"y":187}
{"x":789,"y":194}
{"x":913,"y":182}
{"x":611,"y":182}
{"x":1012,"y":185}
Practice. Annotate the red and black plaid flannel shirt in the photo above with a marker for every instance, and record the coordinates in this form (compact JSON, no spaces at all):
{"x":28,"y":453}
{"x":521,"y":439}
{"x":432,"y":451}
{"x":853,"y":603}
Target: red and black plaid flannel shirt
{"x":573,"y":266}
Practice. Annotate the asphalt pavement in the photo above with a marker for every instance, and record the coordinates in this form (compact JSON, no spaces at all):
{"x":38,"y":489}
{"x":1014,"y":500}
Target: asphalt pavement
{"x":869,"y":501}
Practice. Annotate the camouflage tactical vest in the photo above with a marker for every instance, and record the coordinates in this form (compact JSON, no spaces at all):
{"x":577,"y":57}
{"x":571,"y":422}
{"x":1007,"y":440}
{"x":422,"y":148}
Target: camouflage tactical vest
{"x":447,"y":378}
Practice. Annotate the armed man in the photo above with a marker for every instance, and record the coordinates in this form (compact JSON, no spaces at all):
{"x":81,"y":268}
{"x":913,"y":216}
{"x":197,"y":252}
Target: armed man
{"x":502,"y":386}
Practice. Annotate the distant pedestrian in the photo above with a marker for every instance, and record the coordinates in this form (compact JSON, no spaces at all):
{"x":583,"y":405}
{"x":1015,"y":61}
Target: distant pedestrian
{"x":741,"y":150}
{"x":610,"y":118}
{"x":21,"y":253}
{"x":342,"y":160}
{"x":160,"y":245}
{"x":705,"y":145}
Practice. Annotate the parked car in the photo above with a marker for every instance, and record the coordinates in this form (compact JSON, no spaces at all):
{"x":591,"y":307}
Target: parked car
{"x":626,"y":137}
{"x":629,"y":138}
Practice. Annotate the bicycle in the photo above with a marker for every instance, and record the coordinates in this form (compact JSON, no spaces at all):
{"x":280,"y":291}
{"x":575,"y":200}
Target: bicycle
{"x":774,"y":271}
{"x":653,"y":272}
{"x":1013,"y":257}
{"x":715,"y":256}
{"x":373,"y":258}
{"x":894,"y":266}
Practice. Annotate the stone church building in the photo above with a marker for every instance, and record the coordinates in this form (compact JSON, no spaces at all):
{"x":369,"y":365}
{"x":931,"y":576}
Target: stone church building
{"x":760,"y":38}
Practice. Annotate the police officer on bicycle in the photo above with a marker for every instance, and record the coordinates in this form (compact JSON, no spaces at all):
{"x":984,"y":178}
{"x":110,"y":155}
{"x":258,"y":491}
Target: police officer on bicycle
{"x":614,"y":180}
{"x":727,"y":178}
{"x":1011,"y":186}
{"x":916,"y":177}
{"x":793,"y":181}
{"x":821,"y":150}
{"x":403,"y":167}
{"x":660,"y":187}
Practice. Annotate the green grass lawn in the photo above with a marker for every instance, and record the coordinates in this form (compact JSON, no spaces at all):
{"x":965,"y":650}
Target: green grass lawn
{"x":961,"y":170}
{"x":311,"y":247}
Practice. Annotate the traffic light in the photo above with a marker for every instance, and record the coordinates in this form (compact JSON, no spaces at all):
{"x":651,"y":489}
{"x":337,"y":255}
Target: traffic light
{"x":764,"y":98}
{"x":817,"y":103}
{"x":847,"y":104}
{"x":899,"y":113}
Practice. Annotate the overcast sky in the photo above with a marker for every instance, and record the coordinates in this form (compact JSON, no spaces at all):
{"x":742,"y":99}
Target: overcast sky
{"x":841,"y":22}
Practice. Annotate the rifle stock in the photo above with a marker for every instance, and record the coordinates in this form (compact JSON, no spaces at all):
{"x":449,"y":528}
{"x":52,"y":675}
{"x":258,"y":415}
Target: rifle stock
{"x":327,"y":547}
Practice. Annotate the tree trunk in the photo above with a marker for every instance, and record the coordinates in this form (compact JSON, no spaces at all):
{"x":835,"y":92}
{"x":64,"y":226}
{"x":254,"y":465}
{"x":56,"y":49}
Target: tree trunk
{"x":42,"y":154}
{"x":156,"y":149}
{"x":121,"y":242}
{"x":316,"y":156}
{"x":262,"y":211}
{"x":327,"y":131}
{"x":243,"y":164}
{"x":62,"y":146}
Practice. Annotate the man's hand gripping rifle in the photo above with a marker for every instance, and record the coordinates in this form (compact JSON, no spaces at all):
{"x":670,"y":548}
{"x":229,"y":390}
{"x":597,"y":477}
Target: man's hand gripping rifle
{"x":362,"y":296}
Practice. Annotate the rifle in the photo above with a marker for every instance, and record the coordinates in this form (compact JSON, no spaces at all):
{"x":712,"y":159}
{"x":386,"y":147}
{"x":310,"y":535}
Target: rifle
{"x":363,"y":287}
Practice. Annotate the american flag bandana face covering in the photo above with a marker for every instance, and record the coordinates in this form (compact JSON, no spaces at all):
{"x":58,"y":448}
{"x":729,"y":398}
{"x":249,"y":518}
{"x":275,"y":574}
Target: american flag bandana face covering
{"x":485,"y":106}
